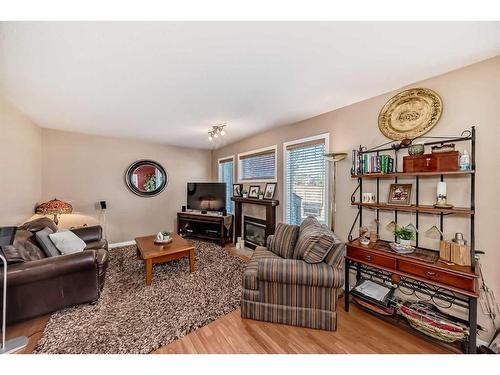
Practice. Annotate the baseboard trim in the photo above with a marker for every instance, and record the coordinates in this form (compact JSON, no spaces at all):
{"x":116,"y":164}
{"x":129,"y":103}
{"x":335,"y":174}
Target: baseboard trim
{"x":121,"y":244}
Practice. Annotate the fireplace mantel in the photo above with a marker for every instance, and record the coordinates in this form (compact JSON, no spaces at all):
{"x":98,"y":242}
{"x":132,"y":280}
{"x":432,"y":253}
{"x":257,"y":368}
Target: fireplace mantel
{"x":262,"y":202}
{"x":270,"y":213}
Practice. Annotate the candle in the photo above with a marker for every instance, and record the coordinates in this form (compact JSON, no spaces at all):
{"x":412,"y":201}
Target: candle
{"x":441,"y":190}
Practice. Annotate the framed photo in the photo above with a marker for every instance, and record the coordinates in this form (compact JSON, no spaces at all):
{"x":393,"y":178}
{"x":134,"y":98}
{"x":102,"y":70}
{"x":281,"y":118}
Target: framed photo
{"x":400,"y":194}
{"x":253,"y":191}
{"x":237,"y":190}
{"x":270,"y":189}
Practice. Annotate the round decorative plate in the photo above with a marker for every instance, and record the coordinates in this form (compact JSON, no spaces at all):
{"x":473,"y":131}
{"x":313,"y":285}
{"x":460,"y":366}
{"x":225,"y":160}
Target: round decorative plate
{"x":410,"y":114}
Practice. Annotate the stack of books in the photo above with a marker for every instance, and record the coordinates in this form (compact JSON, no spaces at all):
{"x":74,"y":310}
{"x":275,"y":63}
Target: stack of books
{"x":366,"y":163}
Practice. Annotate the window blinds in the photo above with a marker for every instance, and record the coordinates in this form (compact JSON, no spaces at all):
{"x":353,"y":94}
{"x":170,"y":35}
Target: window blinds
{"x":258,"y":166}
{"x":226,"y":175}
{"x":305,"y":181}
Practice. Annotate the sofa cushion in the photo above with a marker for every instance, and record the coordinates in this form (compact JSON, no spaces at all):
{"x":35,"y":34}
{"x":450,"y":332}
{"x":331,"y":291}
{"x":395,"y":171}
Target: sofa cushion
{"x":67,"y":242}
{"x":315,"y":241}
{"x":45,"y":243}
{"x":11,"y":254}
{"x":39,"y":224}
{"x":284,"y":240}
{"x":250,"y":279}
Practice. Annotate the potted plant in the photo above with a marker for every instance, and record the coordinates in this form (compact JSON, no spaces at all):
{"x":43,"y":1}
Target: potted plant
{"x":261,"y":194}
{"x":245,"y":193}
{"x":404,"y":235}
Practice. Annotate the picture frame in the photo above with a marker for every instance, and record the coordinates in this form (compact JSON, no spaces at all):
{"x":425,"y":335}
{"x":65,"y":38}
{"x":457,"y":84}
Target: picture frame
{"x":400,"y":194}
{"x":237,"y":190}
{"x":253,"y":191}
{"x":270,"y":190}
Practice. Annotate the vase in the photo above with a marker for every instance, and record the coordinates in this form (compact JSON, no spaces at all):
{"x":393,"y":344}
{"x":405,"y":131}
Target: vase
{"x":404,"y":242}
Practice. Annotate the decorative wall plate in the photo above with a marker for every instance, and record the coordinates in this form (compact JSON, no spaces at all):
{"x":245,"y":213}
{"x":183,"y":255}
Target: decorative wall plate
{"x":410,"y":114}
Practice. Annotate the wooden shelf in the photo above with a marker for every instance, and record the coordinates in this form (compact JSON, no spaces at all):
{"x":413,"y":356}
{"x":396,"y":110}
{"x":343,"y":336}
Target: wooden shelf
{"x":410,"y":174}
{"x":414,"y":208}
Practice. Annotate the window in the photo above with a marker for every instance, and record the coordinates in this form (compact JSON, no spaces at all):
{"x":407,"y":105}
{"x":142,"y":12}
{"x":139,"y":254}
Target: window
{"x":306,"y":179}
{"x":226,"y":167}
{"x":257,"y":165}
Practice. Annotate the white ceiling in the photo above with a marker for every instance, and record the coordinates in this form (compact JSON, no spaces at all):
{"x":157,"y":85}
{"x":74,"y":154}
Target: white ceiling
{"x":169,"y":82}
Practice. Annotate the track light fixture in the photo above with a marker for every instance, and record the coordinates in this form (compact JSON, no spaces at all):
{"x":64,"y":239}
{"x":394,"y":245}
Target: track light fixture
{"x":216,"y":131}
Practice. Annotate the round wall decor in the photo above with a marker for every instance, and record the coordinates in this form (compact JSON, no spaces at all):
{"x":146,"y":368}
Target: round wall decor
{"x":146,"y":178}
{"x":410,"y":114}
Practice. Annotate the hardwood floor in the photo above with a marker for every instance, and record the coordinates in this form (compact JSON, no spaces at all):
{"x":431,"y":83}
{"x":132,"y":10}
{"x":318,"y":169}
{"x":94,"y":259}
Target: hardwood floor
{"x":357,"y":332}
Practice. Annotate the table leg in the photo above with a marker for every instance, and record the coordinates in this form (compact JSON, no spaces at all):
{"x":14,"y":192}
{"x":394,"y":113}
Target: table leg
{"x":346,"y":285}
{"x":192,"y":266}
{"x":149,"y":271}
{"x":472,"y":347}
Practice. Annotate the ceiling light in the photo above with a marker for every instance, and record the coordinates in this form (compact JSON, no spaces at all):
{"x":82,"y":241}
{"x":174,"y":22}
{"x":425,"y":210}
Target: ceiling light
{"x":216,"y":131}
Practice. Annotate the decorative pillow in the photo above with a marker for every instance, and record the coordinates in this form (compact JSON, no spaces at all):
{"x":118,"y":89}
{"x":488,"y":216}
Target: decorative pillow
{"x":12,"y":255}
{"x":284,"y":239}
{"x":315,"y":241}
{"x":43,"y":240}
{"x":67,"y":242}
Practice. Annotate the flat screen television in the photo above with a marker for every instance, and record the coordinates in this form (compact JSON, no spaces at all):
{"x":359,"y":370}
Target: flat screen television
{"x":206,"y":196}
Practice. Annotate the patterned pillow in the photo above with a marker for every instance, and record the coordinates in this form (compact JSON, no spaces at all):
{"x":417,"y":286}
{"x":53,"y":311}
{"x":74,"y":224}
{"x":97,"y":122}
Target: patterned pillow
{"x":284,"y":239}
{"x":315,"y":241}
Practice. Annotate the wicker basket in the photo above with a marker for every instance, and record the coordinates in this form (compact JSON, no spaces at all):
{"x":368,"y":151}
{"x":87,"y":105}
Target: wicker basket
{"x":425,"y":324}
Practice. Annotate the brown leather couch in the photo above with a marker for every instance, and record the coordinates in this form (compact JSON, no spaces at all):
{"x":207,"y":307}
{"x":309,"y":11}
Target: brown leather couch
{"x":38,"y":284}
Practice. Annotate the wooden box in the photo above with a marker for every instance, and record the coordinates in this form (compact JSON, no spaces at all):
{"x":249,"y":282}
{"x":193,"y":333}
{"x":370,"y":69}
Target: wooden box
{"x":420,"y":163}
{"x":445,"y":250}
{"x":437,"y":162}
{"x":460,"y":254}
{"x":446,"y":161}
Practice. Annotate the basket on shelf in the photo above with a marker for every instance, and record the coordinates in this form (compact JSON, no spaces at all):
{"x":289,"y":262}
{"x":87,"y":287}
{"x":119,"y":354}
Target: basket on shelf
{"x":424,"y":319}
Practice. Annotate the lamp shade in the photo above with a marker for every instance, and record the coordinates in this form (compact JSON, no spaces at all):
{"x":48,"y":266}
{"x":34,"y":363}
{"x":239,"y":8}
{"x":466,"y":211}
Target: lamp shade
{"x":54,"y":207}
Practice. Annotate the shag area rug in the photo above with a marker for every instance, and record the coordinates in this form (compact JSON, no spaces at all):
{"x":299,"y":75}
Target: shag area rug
{"x":131,"y":317}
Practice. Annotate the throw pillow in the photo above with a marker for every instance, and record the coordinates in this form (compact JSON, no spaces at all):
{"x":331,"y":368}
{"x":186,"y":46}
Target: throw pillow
{"x":67,"y":242}
{"x":284,"y":239}
{"x":314,"y":243}
{"x":43,"y":240}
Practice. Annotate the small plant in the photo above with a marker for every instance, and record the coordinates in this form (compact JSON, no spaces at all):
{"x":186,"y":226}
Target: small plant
{"x":404,"y":233}
{"x":150,"y":184}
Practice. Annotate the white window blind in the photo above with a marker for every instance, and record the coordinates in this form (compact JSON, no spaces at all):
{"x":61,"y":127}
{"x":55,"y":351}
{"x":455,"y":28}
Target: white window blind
{"x":258,"y":166}
{"x":306,"y":181}
{"x":226,"y":175}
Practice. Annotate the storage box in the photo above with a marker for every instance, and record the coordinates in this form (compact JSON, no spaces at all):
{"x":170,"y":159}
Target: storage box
{"x":437,"y":162}
{"x":445,"y":250}
{"x":460,"y":254}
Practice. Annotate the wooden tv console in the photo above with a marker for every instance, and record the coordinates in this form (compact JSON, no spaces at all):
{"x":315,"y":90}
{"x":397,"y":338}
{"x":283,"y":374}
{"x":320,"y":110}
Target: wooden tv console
{"x":204,"y":226}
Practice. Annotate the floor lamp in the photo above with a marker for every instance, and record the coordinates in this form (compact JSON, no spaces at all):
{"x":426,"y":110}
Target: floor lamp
{"x":7,"y":238}
{"x":334,"y":158}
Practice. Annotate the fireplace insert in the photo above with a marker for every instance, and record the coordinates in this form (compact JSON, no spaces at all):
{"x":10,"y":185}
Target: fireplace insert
{"x":254,"y":232}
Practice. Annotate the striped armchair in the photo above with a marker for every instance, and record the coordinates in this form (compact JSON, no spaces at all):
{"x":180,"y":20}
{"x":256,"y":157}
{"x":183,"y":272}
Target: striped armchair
{"x":295,"y":279}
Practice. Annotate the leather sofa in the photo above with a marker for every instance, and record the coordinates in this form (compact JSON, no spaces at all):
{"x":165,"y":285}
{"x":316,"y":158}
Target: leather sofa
{"x":38,"y":284}
{"x":296,"y":279}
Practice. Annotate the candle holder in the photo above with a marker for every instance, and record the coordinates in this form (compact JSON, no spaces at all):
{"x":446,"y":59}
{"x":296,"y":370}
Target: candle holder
{"x":441,"y":196}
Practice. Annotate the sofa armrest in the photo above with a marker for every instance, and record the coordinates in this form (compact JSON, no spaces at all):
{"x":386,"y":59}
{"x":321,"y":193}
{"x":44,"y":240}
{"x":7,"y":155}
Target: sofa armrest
{"x":294,"y":271}
{"x":268,"y":241}
{"x":48,"y":268}
{"x":89,"y":234}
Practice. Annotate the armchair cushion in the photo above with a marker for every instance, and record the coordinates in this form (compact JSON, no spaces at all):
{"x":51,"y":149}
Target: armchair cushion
{"x":284,"y":239}
{"x":293,"y":271}
{"x":315,"y":241}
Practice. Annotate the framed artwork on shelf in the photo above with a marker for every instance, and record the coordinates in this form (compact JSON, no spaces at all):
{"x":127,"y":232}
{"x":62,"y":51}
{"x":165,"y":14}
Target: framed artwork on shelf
{"x":253,"y":191}
{"x":400,"y":194}
{"x":237,"y":190}
{"x":270,"y":190}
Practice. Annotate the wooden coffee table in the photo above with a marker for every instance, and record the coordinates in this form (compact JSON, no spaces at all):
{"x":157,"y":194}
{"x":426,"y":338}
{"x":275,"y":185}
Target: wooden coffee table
{"x":151,"y":253}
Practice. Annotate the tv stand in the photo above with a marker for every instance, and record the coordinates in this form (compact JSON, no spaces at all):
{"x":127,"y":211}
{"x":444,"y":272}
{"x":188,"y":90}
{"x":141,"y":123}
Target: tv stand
{"x":207,"y":226}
